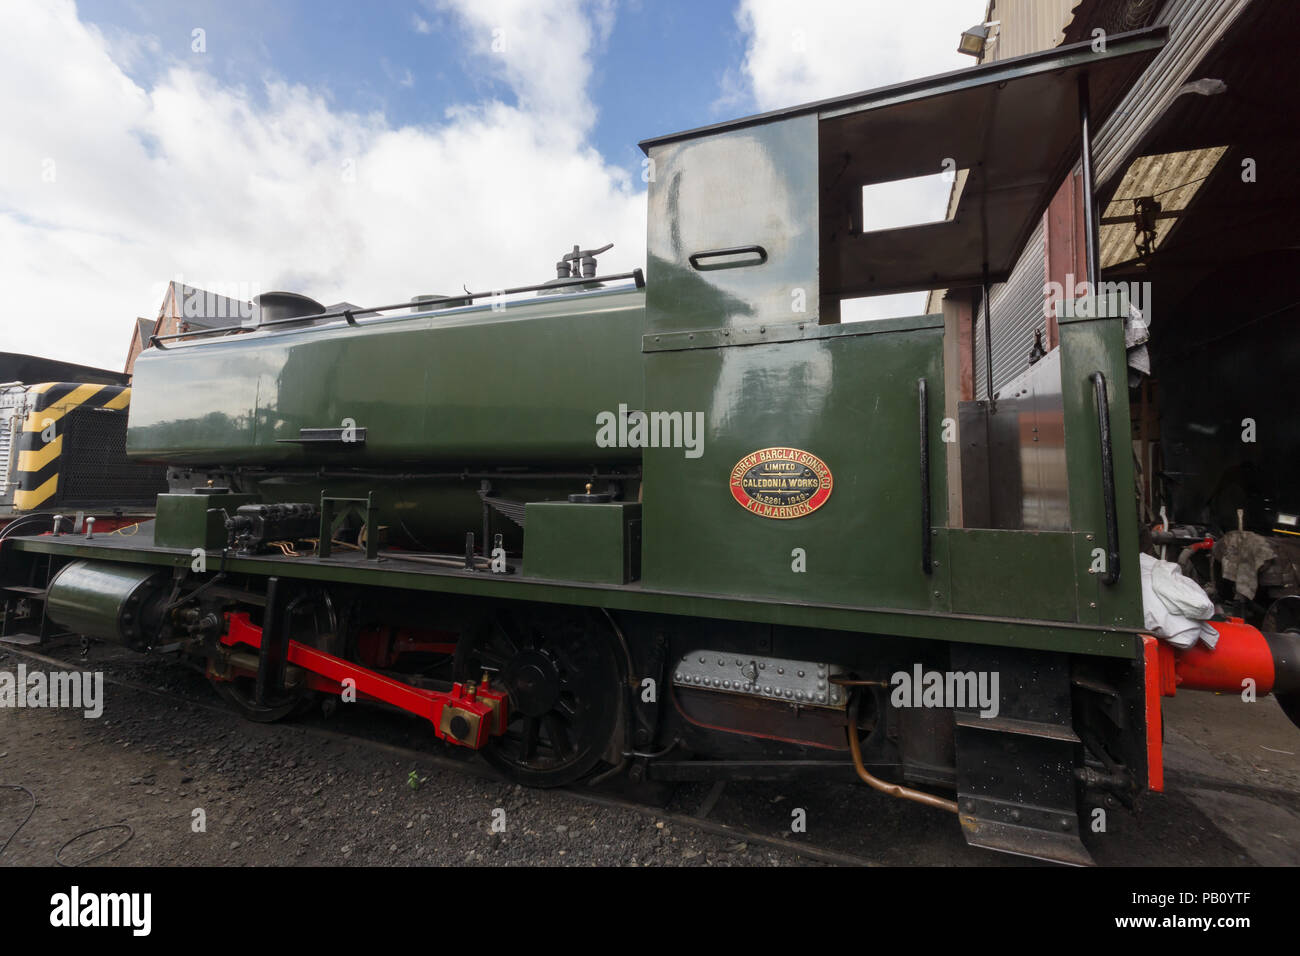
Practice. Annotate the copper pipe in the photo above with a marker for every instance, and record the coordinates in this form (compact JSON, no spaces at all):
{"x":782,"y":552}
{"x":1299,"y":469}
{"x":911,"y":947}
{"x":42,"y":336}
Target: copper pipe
{"x":893,"y":789}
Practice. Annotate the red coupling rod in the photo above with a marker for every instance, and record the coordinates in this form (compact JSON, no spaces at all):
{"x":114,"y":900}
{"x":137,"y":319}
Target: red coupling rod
{"x":467,"y":715}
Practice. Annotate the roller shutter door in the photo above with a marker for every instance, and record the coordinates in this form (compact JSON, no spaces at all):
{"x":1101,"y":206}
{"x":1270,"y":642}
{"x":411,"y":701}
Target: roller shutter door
{"x":1017,"y":311}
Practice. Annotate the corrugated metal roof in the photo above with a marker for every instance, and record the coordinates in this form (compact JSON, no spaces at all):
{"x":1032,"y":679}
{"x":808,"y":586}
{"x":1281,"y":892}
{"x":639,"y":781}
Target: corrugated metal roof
{"x":1232,"y":218}
{"x":1195,"y":26}
{"x":1173,"y":179}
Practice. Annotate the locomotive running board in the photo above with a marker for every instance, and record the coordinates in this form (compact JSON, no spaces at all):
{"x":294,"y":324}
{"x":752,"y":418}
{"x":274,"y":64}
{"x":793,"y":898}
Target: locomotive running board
{"x":1012,"y":794}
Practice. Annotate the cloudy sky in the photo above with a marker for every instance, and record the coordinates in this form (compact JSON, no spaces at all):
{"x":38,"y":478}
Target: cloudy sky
{"x":375,"y":151}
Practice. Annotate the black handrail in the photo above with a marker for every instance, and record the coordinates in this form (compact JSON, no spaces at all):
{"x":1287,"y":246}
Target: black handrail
{"x":349,"y":315}
{"x":926,"y":562}
{"x":1107,"y":478}
{"x":695,"y":258}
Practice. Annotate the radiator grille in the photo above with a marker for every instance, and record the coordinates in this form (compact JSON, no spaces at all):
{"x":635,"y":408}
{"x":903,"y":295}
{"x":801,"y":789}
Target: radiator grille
{"x":95,"y":469}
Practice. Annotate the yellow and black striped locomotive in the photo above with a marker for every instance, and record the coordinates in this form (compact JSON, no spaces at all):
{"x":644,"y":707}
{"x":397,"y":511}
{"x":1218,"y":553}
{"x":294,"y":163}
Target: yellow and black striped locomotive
{"x":64,"y":447}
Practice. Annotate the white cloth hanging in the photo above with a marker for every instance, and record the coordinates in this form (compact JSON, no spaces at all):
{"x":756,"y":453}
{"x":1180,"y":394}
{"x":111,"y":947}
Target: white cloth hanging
{"x":1174,"y":607}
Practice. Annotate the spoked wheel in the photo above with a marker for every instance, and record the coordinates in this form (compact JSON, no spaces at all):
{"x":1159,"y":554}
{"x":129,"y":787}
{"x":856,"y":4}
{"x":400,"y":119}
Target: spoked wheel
{"x":311,"y":619}
{"x":241,"y":693}
{"x":563,"y":678}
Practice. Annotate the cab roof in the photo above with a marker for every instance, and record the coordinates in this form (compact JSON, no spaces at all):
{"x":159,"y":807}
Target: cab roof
{"x":1012,"y":126}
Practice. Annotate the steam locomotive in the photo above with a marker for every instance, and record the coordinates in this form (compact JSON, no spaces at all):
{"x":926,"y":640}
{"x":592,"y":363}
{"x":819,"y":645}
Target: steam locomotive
{"x":687,"y":524}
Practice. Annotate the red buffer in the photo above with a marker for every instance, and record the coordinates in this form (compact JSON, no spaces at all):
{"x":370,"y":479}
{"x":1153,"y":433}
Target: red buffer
{"x":1242,"y":653}
{"x":1244,"y":658}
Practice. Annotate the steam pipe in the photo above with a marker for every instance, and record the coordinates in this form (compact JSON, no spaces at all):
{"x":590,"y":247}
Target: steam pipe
{"x":893,"y":789}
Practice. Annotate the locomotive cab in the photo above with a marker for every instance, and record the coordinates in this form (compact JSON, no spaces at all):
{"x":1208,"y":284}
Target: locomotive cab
{"x":757,"y":234}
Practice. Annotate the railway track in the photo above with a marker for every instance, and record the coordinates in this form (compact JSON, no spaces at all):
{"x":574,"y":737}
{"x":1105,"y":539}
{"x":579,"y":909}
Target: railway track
{"x":579,"y":793}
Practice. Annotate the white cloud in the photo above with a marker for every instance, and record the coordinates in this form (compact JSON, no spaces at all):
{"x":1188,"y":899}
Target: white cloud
{"x":542,"y":49}
{"x":108,"y":188}
{"x":816,"y":49}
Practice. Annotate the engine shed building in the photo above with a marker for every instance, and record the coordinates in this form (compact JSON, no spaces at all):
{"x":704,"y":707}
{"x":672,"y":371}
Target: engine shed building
{"x":184,"y":308}
{"x":1198,"y":201}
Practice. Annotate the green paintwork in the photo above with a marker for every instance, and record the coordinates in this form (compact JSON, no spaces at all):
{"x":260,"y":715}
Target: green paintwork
{"x":195,"y":521}
{"x":1089,"y":345}
{"x":847,"y":394}
{"x":1030,"y":571}
{"x":755,"y":186}
{"x":598,"y":543}
{"x":763,"y":334}
{"x":518,"y":386}
{"x":434,"y":513}
{"x":974,"y":629}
